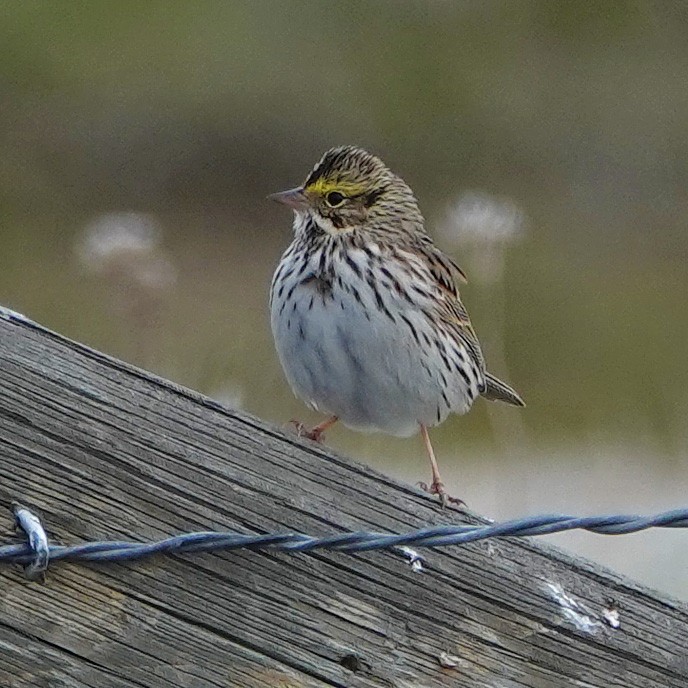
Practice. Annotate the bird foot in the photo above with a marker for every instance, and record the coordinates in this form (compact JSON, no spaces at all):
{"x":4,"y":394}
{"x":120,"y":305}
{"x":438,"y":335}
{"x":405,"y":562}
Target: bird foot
{"x":437,"y":487}
{"x":316,"y":434}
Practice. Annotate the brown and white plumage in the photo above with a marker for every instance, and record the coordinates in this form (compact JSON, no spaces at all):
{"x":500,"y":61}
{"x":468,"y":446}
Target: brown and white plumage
{"x":365,"y":310}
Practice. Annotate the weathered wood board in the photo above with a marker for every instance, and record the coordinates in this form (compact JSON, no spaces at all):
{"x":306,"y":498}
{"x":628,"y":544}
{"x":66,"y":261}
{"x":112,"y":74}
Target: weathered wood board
{"x":106,"y":451}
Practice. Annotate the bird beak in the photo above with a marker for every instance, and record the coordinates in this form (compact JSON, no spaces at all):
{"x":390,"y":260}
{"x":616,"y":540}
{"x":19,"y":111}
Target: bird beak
{"x":294,"y":198}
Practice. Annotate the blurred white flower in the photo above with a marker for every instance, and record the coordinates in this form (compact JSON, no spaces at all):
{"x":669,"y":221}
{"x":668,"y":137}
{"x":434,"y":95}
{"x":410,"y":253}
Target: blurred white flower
{"x":114,"y":236}
{"x":481,"y":218}
{"x":125,"y":248}
{"x":124,"y":252}
{"x":484,"y":225}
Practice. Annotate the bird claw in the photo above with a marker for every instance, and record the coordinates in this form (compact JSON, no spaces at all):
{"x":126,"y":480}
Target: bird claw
{"x":436,"y":487}
{"x":315,"y":434}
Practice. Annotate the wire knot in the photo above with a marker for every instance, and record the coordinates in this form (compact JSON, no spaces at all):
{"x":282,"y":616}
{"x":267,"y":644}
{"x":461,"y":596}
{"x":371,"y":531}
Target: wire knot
{"x":37,"y":542}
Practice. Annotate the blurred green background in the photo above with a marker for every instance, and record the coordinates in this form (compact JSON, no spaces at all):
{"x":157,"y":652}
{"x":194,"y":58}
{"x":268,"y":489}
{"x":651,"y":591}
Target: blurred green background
{"x":170,"y":122}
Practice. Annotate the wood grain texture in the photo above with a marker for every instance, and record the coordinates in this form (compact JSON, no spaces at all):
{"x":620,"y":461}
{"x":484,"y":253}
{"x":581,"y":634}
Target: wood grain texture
{"x":105,"y":451}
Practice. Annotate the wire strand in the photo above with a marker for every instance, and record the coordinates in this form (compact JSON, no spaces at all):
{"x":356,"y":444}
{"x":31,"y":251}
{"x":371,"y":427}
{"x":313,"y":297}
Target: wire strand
{"x":36,"y":553}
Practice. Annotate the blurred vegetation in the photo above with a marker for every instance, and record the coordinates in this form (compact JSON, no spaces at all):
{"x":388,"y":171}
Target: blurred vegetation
{"x":191,"y":112}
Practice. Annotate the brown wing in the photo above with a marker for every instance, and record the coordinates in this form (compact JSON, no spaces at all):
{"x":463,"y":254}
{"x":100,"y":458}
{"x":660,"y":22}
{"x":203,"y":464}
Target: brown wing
{"x":447,"y":276}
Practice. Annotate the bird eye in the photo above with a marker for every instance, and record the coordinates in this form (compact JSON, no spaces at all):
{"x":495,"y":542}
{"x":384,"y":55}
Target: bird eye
{"x":335,"y":199}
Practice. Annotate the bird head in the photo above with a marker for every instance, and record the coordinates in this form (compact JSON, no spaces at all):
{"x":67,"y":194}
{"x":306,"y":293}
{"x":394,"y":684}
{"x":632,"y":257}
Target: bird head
{"x":350,"y":190}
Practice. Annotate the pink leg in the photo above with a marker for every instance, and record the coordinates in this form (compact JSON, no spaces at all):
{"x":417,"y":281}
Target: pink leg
{"x":437,"y":486}
{"x":317,"y":433}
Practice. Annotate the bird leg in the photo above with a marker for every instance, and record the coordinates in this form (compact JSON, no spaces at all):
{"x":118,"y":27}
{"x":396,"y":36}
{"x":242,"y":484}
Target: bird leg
{"x":436,"y":486}
{"x":317,"y":433}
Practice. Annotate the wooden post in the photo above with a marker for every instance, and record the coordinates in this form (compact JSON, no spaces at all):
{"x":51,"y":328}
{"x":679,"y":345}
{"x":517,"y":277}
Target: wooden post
{"x":107,"y":451}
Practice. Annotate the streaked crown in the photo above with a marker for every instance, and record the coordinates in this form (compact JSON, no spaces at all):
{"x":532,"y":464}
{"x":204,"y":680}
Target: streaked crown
{"x":352,"y":190}
{"x":351,"y":187}
{"x":348,"y":170}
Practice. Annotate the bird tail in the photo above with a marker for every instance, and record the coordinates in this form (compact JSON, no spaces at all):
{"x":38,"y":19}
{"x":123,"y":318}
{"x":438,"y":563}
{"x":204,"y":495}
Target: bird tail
{"x":496,"y":390}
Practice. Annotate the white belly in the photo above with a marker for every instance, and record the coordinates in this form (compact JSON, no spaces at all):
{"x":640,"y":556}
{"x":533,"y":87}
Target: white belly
{"x":345,"y":356}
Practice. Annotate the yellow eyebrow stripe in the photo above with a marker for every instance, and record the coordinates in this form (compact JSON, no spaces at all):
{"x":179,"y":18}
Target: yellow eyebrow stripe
{"x":323,"y":186}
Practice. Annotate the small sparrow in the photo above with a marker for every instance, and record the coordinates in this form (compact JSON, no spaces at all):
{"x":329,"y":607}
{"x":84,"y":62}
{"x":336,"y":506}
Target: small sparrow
{"x":365,"y":309}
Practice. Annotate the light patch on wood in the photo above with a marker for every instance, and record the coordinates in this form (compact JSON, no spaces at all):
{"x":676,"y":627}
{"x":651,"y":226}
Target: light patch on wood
{"x":611,"y":617}
{"x":573,"y":610}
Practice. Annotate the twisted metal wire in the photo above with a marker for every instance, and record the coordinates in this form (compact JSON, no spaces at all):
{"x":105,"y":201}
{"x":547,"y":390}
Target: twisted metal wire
{"x":36,"y":553}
